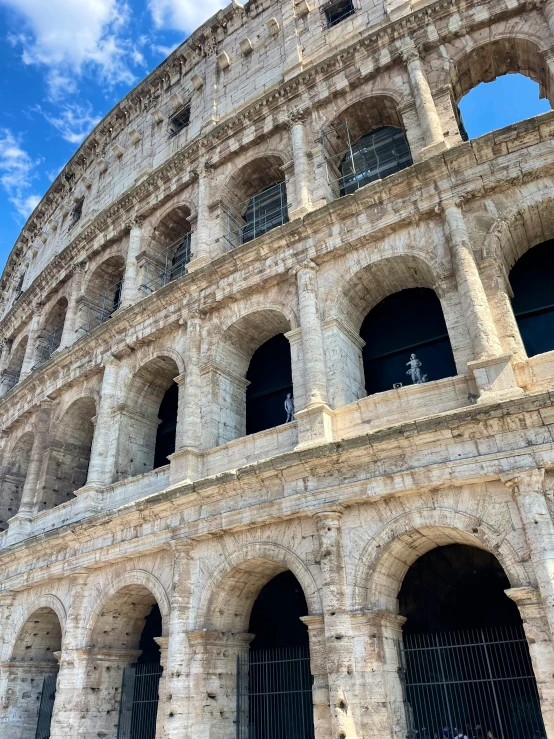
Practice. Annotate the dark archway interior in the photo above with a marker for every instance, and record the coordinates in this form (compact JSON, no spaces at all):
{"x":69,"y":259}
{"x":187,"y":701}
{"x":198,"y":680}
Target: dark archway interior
{"x":166,"y":433}
{"x":408,"y":322}
{"x":532,"y":281}
{"x":375,"y":155}
{"x":456,"y":587}
{"x":275,"y":617}
{"x":270,"y":377}
{"x":152,"y":629}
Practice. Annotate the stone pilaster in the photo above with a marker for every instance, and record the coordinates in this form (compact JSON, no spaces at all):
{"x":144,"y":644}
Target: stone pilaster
{"x":129,"y":293}
{"x":200,"y":246}
{"x":69,"y":336}
{"x":103,"y":451}
{"x":318,"y":666}
{"x":30,"y":349}
{"x":425,"y":105}
{"x":301,"y":166}
{"x":315,"y":420}
{"x":161,"y":722}
{"x":5,"y":383}
{"x":499,"y":294}
{"x":70,"y":703}
{"x":527,"y":487}
{"x":548,"y":10}
{"x":341,"y":668}
{"x":186,"y":462}
{"x":541,"y":648}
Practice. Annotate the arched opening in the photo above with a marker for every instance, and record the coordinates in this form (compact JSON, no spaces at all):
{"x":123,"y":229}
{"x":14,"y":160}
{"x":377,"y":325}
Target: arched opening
{"x":532,"y":281}
{"x":50,"y":336}
{"x":406,"y":341}
{"x":30,"y":676}
{"x":274,"y":680}
{"x":497,"y":84}
{"x":102,"y":295}
{"x":126,"y":658}
{"x":257,"y":200}
{"x":13,"y":478}
{"x":68,"y":454}
{"x":12,"y":373}
{"x":148,"y":425}
{"x":254,"y":375}
{"x":366,"y":143}
{"x":270,"y":378}
{"x":466,"y":662}
{"x":168,"y":252}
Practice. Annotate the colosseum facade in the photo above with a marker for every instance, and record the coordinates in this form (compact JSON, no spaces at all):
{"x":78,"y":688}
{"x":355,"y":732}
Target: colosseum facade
{"x":277,"y":379}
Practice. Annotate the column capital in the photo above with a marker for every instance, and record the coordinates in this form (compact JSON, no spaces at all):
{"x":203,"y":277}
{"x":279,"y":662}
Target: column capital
{"x":329,"y":518}
{"x":525,"y":596}
{"x":410,"y":54}
{"x":525,"y":481}
{"x":306,"y":266}
{"x":296,"y":117}
{"x":134,"y":222}
{"x":180,"y":379}
{"x":451,"y":201}
{"x":109,"y":360}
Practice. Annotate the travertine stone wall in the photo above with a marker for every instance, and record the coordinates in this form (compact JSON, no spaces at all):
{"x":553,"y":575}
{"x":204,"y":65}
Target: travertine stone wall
{"x":351,"y":493}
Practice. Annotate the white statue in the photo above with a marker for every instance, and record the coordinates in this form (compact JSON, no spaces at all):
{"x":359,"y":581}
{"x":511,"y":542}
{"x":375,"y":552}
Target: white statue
{"x":289,"y":408}
{"x":415,"y":371}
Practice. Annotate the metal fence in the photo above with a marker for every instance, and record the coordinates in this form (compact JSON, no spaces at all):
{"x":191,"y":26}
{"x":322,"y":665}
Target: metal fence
{"x":274,"y":694}
{"x":46,"y":707}
{"x":172,"y":264}
{"x":97,"y":308}
{"x":138,"y":709}
{"x":258,"y":215}
{"x":473,"y":684}
{"x":9,"y":379}
{"x":48,"y":345}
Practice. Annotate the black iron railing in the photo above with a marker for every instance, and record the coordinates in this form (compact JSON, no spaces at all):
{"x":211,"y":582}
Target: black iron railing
{"x":473,"y":684}
{"x":258,"y":215}
{"x":171,"y":266}
{"x":48,"y":345}
{"x":46,"y":708}
{"x":274,"y":694}
{"x":97,"y":308}
{"x":138,"y":709}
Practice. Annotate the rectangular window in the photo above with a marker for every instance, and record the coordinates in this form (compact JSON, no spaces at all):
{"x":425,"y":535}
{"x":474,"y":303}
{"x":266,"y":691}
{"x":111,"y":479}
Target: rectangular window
{"x":179,"y":121}
{"x":338,"y":10}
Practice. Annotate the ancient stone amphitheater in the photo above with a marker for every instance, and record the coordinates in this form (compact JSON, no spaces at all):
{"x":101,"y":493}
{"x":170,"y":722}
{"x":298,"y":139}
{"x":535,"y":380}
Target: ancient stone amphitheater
{"x":278,"y":392}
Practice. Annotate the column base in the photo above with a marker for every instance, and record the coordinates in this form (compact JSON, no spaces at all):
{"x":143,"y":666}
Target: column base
{"x":90,"y":497}
{"x":197,"y":264}
{"x":495,"y":378}
{"x":432,"y":149}
{"x":315,"y":426}
{"x":19,"y":527}
{"x":185,"y":466}
{"x":299,"y":213}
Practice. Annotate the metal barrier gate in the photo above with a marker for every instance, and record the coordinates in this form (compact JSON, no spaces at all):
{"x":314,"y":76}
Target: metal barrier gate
{"x":46,"y":707}
{"x":473,"y":684}
{"x":274,"y":694}
{"x":138,"y":709}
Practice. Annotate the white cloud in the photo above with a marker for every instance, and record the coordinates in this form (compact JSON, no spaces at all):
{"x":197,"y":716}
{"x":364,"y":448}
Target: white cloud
{"x":74,"y":122}
{"x":183,"y":15}
{"x":16,"y":173}
{"x":70,"y":37}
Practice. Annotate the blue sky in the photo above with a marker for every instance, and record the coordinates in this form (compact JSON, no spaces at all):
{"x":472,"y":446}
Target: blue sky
{"x":65,"y":63}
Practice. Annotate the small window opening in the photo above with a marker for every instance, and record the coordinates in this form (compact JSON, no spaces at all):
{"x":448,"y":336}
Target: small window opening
{"x":76,"y":213}
{"x":179,"y":121}
{"x":338,"y":11}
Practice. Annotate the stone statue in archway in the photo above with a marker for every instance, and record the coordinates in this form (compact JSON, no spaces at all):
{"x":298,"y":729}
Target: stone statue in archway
{"x":415,"y":371}
{"x":289,"y":408}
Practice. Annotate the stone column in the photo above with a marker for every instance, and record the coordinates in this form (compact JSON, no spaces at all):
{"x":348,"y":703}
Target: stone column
{"x":174,"y":712}
{"x":4,"y":362}
{"x":71,"y":697}
{"x":548,"y":10}
{"x":30,"y":494}
{"x":68,"y":335}
{"x":425,"y":105}
{"x":301,"y":166}
{"x":318,"y":666}
{"x":541,"y":648}
{"x":527,"y":487}
{"x":129,"y":294}
{"x":103,"y":451}
{"x":341,"y":667}
{"x":186,"y":462}
{"x":499,"y":293}
{"x":163,"y":717}
{"x":201,"y":247}
{"x":31,"y":348}
{"x":315,"y":420}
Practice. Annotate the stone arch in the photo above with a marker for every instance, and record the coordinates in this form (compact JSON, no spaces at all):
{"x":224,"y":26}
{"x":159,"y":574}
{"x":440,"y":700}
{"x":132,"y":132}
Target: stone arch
{"x":50,"y":334}
{"x":69,"y":451}
{"x":67,"y":401}
{"x":46,"y":601}
{"x":364,"y":97}
{"x":139,"y":417}
{"x":101,"y":293}
{"x":388,"y":556}
{"x":226,"y":604}
{"x":133,"y":578}
{"x":233,"y":351}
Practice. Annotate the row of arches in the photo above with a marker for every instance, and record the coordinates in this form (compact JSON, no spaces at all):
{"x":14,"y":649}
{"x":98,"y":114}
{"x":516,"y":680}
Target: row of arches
{"x":405,"y":341}
{"x":261,"y":684}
